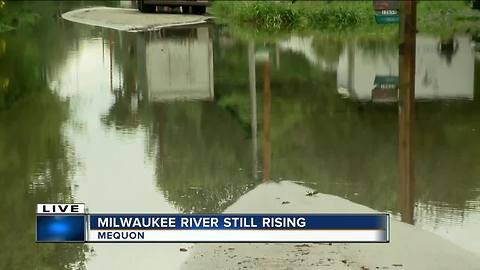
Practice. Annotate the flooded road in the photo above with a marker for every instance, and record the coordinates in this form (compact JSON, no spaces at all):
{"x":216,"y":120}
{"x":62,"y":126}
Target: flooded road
{"x":189,"y":119}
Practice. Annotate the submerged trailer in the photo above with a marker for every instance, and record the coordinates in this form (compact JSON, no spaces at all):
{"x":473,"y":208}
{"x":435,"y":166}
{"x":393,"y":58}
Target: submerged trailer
{"x":176,"y":64}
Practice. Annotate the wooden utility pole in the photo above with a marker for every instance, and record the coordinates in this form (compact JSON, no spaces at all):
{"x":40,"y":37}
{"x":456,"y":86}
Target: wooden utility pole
{"x":110,"y":49}
{"x":267,"y":107}
{"x":253,"y":106}
{"x":406,"y":106}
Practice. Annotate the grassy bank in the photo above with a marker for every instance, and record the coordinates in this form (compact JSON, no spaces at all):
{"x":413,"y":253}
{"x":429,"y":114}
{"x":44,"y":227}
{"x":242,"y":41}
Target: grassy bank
{"x":284,"y":15}
{"x":439,"y":17}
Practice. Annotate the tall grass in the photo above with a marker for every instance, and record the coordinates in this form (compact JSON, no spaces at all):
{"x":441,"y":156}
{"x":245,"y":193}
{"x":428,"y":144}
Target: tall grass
{"x":271,"y":15}
{"x":275,"y":16}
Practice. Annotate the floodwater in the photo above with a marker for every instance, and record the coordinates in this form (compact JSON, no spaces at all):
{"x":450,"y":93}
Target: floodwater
{"x":190,"y":119}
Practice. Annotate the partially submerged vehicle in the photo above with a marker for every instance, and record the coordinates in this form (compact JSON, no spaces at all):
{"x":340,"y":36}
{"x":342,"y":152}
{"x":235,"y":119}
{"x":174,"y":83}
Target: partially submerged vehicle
{"x":176,"y":64}
{"x":193,"y":6}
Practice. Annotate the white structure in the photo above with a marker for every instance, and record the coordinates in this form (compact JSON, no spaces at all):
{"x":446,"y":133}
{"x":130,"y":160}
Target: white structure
{"x":304,"y":45}
{"x":179,"y":66}
{"x":437,"y":77}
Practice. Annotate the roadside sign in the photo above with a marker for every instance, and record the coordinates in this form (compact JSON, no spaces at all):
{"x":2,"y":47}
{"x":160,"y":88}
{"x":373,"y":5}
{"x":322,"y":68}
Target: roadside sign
{"x":386,"y":5}
{"x":386,"y":11}
{"x":386,"y":80}
{"x":386,"y":88}
{"x":387,"y":19}
{"x":381,"y":95}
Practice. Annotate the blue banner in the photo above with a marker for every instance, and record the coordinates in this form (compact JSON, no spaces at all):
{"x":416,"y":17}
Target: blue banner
{"x":239,"y":221}
{"x":61,"y":228}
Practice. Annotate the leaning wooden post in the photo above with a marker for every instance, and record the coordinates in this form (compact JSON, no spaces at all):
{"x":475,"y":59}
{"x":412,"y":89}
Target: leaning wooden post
{"x":406,"y":106}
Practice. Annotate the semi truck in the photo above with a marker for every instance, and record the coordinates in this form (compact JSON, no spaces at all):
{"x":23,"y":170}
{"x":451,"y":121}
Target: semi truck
{"x":475,"y":4}
{"x":193,"y":6}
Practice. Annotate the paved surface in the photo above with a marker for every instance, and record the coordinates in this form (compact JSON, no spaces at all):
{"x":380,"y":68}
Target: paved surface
{"x":131,"y":20}
{"x":410,"y":247}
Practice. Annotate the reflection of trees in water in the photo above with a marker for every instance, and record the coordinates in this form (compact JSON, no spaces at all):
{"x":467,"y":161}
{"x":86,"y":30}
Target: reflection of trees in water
{"x":202,"y":156}
{"x":36,"y":160}
{"x":328,"y":48}
{"x":447,"y":48}
{"x":353,"y":153}
{"x":350,"y":149}
{"x":201,"y":149}
{"x":130,"y":109}
{"x":38,"y":49}
{"x":121,"y":115}
{"x":373,"y":48}
{"x":446,"y":143}
{"x":35,"y":168}
{"x":336,"y":146}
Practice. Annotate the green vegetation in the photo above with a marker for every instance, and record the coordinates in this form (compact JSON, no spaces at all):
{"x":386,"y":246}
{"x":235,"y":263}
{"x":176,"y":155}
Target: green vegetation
{"x":279,"y":16}
{"x":202,"y":156}
{"x":13,"y":15}
{"x":334,"y":145}
{"x":341,"y":17}
{"x":446,"y":17}
{"x":36,"y":160}
{"x":348,"y":148}
{"x":24,"y":14}
{"x":35,"y":168}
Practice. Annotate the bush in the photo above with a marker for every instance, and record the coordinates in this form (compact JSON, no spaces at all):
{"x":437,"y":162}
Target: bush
{"x":269,"y":15}
{"x":335,"y":17}
{"x":265,"y":15}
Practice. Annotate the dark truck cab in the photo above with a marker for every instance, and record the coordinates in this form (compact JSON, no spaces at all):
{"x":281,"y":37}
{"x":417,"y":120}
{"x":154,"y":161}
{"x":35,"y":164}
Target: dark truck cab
{"x":475,"y":4}
{"x":196,"y":6}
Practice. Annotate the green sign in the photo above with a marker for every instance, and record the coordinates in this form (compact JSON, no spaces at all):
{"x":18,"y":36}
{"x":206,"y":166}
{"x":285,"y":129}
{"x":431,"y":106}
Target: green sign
{"x":387,"y":12}
{"x":386,"y":80}
{"x":387,"y":18}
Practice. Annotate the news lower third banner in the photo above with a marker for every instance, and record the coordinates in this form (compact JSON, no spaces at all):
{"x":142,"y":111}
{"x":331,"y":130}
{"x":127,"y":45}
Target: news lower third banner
{"x":72,"y":223}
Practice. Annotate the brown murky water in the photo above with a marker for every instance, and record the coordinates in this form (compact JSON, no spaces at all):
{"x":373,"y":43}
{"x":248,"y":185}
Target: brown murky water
{"x":190,"y":119}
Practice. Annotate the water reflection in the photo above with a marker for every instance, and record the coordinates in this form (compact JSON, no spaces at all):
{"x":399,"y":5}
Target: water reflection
{"x":36,"y":159}
{"x":252,"y":81}
{"x":445,"y":69}
{"x":356,"y":149}
{"x":105,"y":115}
{"x":177,"y":63}
{"x":201,"y":153}
{"x":406,"y":109}
{"x":267,"y":107}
